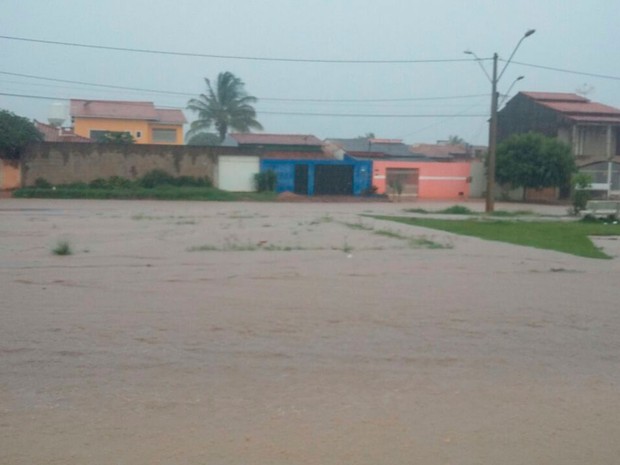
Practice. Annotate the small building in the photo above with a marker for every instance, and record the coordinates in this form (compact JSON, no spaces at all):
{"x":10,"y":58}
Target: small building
{"x":142,"y":120}
{"x":397,"y":169}
{"x":320,"y":176}
{"x":591,"y":129}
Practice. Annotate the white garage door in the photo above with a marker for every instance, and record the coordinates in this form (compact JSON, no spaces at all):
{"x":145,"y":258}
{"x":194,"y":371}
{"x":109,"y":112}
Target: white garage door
{"x":236,"y":173}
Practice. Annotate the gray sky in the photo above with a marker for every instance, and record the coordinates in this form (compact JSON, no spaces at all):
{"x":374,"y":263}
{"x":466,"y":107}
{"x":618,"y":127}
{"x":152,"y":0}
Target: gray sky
{"x":572,"y":35}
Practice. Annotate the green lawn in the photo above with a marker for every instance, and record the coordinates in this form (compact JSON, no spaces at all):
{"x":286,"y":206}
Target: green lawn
{"x":570,"y":237}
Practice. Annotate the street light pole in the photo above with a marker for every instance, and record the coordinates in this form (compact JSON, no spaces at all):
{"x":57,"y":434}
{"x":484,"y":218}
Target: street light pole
{"x":490,"y":198}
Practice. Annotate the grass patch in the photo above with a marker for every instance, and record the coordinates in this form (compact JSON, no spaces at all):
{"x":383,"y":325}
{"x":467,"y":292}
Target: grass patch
{"x":456,"y":210}
{"x":62,"y":248}
{"x":562,"y":236}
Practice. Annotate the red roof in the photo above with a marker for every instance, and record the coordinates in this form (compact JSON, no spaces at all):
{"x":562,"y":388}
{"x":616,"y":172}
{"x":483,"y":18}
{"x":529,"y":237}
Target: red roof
{"x":118,"y":109}
{"x":576,"y":107}
{"x":169,"y":116}
{"x":56,"y":134}
{"x":276,"y":139}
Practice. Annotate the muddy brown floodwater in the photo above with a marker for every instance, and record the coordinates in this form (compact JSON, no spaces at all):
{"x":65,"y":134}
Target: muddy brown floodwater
{"x":297,"y":333}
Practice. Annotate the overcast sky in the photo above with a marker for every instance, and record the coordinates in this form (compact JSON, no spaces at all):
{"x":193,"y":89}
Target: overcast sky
{"x":571,"y":35}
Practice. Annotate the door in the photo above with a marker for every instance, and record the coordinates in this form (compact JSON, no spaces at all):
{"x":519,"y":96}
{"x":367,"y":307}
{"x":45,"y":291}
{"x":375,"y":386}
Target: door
{"x":333,"y":180}
{"x":301,"y":180}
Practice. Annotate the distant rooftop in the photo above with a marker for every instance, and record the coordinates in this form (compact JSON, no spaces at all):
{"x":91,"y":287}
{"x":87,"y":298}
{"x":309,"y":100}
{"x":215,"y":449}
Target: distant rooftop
{"x":119,"y":109}
{"x":57,"y":134}
{"x":276,"y":139}
{"x":575,"y":107}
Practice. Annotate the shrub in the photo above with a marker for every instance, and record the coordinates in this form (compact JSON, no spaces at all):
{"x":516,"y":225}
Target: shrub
{"x":62,"y":248}
{"x":156,"y":178}
{"x":457,"y":210}
{"x":265,"y":181}
{"x":580,"y":195}
{"x":42,"y":183}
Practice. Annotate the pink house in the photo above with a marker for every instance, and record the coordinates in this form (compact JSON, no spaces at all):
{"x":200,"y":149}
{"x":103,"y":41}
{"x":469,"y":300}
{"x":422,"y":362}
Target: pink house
{"x":423,"y":179}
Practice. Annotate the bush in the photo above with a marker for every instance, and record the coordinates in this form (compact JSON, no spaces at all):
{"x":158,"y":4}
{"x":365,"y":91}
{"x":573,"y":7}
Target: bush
{"x":42,"y":183}
{"x":457,"y":210}
{"x":156,"y":178}
{"x":265,"y":181}
{"x":580,"y":196}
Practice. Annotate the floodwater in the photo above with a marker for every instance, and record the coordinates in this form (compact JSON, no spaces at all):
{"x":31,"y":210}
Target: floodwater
{"x":297,"y":333}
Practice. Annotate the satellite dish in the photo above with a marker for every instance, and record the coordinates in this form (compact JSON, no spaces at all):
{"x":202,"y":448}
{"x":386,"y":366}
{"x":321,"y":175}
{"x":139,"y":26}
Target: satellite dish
{"x":57,"y":114}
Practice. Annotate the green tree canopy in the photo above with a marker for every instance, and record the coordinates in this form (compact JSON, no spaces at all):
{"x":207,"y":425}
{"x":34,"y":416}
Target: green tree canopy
{"x":115,"y":137}
{"x":224,"y":106}
{"x":534,"y":160}
{"x":16,"y":132}
{"x":453,"y":139}
{"x":204,"y":138}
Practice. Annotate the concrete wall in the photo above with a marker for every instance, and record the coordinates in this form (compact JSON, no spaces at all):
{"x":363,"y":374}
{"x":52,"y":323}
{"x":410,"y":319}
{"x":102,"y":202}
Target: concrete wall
{"x":62,"y":163}
{"x":10,"y":174}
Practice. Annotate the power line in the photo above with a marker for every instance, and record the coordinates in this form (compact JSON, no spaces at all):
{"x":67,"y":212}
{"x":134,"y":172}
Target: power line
{"x":361,"y":115}
{"x":569,"y":71}
{"x":230,"y":57}
{"x":272,"y":99}
{"x":344,"y":115}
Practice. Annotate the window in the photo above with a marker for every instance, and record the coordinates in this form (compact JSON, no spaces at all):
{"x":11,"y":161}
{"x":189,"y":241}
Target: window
{"x":138,"y":134}
{"x":164,"y":136}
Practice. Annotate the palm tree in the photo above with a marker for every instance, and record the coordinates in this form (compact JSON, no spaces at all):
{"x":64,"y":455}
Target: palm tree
{"x":227,"y":106}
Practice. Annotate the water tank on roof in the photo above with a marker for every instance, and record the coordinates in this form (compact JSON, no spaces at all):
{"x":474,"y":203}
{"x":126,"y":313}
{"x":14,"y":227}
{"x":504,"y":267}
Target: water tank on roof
{"x":57,"y":114}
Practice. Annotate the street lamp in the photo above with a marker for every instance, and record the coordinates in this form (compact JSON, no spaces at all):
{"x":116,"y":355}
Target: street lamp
{"x":490,"y":201}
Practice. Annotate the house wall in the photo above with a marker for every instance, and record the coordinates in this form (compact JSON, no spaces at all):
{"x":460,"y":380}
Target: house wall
{"x":10,"y":174}
{"x":436,"y":180}
{"x":522,"y":115}
{"x":285,"y":172}
{"x":62,"y":163}
{"x":83,"y":126}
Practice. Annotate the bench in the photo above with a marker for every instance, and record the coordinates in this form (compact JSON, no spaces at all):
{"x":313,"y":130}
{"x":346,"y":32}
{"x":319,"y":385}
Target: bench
{"x":602,"y":208}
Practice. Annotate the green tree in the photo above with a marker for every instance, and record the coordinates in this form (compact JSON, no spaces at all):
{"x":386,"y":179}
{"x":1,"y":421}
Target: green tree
{"x":535,"y":161}
{"x":224,"y":106}
{"x":16,"y":132}
{"x":455,"y":140}
{"x":204,"y":138}
{"x":115,"y":137}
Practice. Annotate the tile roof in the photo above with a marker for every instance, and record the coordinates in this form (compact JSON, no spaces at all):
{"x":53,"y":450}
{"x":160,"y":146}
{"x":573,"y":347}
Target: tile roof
{"x":358,"y":145}
{"x":446,"y":151}
{"x":276,"y":139}
{"x":56,"y":134}
{"x":576,"y":107}
{"x":118,"y":109}
{"x":170,"y":116}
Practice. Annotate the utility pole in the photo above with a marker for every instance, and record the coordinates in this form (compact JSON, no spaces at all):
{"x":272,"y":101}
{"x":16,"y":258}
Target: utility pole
{"x":490,"y":198}
{"x":494,"y":79}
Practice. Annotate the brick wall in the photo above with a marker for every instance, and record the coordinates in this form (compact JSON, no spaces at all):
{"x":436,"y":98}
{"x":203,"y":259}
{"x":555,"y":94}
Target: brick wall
{"x":62,"y":163}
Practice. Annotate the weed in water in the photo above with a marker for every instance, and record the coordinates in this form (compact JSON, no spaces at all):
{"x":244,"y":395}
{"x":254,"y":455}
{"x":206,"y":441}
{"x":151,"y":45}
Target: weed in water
{"x":62,"y":248}
{"x":389,"y":233}
{"x":358,"y":226}
{"x":424,"y":243}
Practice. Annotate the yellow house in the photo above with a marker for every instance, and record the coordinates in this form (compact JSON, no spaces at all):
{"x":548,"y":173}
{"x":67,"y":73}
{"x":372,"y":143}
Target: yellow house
{"x":145,"y":123}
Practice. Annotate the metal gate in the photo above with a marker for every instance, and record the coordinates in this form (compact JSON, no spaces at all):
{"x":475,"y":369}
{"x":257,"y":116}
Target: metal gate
{"x":402,"y":182}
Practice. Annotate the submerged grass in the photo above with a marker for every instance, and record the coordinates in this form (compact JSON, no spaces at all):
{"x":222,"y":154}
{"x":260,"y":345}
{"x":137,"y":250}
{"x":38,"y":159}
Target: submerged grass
{"x":562,"y":236}
{"x":142,"y":193}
